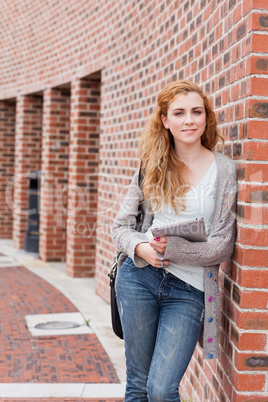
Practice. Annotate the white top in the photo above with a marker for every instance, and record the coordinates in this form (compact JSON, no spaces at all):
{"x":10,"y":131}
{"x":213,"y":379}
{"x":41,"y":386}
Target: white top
{"x":200,"y":202}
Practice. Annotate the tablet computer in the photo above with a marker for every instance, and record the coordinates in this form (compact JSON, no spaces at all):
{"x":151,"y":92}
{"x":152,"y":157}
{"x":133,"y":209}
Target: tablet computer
{"x":192,"y":230}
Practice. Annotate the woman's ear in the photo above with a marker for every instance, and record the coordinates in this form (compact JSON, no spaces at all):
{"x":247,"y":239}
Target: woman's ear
{"x":164,"y":121}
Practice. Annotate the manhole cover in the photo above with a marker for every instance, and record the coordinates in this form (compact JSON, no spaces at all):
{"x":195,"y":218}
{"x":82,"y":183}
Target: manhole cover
{"x":57,"y":325}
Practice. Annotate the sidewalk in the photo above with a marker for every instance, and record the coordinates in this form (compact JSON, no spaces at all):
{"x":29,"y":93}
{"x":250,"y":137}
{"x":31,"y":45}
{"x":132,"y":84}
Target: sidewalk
{"x":83,"y":363}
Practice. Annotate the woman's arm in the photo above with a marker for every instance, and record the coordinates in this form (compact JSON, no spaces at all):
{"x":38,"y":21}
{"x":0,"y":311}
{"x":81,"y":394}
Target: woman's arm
{"x":220,"y":242}
{"x":124,"y":235}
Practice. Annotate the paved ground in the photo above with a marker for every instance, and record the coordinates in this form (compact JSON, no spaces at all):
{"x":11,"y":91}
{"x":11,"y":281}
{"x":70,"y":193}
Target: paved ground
{"x":71,"y":366}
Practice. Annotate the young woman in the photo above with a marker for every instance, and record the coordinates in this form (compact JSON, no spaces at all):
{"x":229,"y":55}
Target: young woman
{"x":167,"y":287}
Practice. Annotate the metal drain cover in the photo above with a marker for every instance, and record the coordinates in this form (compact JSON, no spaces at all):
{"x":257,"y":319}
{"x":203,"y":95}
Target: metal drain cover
{"x":57,"y":325}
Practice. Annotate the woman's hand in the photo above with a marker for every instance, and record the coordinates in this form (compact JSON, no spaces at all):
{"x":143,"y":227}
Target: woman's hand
{"x":159,"y":244}
{"x":147,"y":252}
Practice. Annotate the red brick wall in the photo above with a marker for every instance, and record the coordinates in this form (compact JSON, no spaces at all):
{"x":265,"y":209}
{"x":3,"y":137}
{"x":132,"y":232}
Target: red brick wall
{"x":83,"y":177}
{"x":7,"y":147}
{"x":139,"y":46}
{"x":27,"y":159}
{"x":54,"y":181}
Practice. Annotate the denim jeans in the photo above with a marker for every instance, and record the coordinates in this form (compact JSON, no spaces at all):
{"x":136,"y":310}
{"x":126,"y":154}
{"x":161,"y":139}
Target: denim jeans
{"x":161,"y":318}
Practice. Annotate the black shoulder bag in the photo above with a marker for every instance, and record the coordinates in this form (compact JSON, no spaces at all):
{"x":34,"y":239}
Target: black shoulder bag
{"x":116,"y":322}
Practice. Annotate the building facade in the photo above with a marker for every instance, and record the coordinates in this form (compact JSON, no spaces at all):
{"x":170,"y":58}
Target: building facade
{"x":78,"y":79}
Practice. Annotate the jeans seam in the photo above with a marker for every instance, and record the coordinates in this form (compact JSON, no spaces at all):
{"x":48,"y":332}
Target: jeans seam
{"x":156,"y":347}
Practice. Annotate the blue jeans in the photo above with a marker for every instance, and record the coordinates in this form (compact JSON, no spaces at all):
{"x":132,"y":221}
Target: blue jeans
{"x":161,"y":318}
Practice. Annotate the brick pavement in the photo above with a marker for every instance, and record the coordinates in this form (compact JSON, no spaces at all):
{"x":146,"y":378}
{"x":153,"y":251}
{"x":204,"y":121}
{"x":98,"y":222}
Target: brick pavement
{"x":45,"y":359}
{"x":59,"y":399}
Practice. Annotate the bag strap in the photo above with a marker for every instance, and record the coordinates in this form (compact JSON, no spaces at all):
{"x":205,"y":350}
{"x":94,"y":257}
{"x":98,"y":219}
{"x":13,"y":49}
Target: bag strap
{"x":140,"y":209}
{"x":140,"y":176}
{"x":113,"y":272}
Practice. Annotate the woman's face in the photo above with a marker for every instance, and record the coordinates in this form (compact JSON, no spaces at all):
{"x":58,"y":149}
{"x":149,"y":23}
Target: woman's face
{"x":186,"y":118}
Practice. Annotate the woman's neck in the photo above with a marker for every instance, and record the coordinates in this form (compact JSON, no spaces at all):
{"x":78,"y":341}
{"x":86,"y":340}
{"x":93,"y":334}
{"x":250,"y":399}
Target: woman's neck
{"x":191,"y":155}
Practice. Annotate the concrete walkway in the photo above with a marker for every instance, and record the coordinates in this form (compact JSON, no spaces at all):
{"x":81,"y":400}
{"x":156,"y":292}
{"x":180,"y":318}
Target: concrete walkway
{"x":84,"y":363}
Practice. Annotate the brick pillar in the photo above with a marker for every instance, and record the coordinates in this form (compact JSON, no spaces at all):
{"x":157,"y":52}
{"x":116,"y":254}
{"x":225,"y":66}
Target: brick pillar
{"x":54,"y":181}
{"x":7,"y":149}
{"x":248,"y":296}
{"x":27,"y":159}
{"x":83,"y":175}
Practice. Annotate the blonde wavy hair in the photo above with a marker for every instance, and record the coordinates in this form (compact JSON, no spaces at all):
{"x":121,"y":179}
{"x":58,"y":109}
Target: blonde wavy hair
{"x":162,"y":172}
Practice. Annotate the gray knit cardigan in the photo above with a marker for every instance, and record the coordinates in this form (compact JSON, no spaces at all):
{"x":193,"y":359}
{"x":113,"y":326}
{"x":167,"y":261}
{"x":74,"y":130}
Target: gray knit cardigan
{"x":219,"y":247}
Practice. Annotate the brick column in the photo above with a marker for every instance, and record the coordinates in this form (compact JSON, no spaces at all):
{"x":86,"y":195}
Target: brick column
{"x":7,"y":149}
{"x":83,"y":175}
{"x":27,"y":159}
{"x":54,"y":181}
{"x":248,"y":291}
